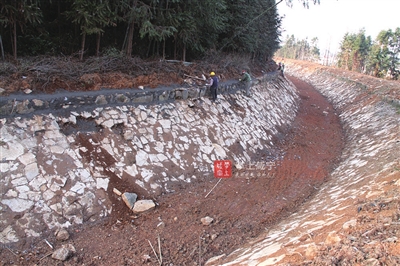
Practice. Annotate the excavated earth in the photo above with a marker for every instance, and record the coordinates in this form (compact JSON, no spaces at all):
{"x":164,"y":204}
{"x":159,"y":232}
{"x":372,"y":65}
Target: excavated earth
{"x":242,"y":208}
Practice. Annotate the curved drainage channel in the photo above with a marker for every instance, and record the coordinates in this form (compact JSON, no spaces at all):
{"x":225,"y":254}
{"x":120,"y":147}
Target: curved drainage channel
{"x":262,"y":191}
{"x":354,"y":217}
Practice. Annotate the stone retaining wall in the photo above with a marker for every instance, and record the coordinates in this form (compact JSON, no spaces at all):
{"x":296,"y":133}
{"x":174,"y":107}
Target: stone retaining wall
{"x":56,"y":167}
{"x":67,"y":101}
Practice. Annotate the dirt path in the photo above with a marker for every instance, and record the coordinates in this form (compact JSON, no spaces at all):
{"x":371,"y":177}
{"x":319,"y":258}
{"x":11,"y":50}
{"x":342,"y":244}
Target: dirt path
{"x":241,"y":207}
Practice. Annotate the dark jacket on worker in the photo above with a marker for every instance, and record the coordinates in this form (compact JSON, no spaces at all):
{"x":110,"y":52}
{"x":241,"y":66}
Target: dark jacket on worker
{"x":215,"y":82}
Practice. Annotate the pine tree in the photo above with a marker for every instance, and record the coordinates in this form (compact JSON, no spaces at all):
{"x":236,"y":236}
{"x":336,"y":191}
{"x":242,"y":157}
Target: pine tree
{"x":16,"y":14}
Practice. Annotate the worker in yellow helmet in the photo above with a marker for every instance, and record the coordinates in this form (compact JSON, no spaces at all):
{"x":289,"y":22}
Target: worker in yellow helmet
{"x":213,"y":84}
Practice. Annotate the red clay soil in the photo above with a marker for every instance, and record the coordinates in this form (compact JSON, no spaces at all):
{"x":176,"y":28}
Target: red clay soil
{"x":242,"y":207}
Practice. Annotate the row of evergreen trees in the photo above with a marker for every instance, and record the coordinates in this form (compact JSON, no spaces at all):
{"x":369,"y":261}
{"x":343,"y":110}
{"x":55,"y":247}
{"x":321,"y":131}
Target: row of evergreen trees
{"x":357,"y":52}
{"x":379,"y":58}
{"x":174,"y":29}
{"x":300,"y":49}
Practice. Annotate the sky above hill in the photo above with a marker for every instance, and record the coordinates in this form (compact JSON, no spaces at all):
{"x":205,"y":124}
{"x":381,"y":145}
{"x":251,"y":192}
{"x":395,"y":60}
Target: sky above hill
{"x":330,"y":20}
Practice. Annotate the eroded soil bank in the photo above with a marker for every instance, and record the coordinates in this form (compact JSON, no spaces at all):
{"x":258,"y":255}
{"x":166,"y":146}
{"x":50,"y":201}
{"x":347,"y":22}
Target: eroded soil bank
{"x":242,"y":207}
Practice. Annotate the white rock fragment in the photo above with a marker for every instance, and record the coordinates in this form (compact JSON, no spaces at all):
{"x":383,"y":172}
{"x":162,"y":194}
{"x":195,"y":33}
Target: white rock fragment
{"x":219,"y":151}
{"x":147,"y":174}
{"x":4,"y":167}
{"x":161,"y":157}
{"x":62,"y":234}
{"x":143,"y":115}
{"x":86,"y":114}
{"x":117,"y":192}
{"x":37,"y":182}
{"x":64,"y":252}
{"x":166,"y":124}
{"x":19,"y":181}
{"x":132,"y":170}
{"x":141,"y":158}
{"x":11,"y":193}
{"x":31,"y":171}
{"x":18,"y":205}
{"x":12,"y":153}
{"x":85,"y":175}
{"x":143,"y":205}
{"x":144,"y":140}
{"x":102,"y":183}
{"x":78,"y":188}
{"x":57,"y":149}
{"x":206,"y":149}
{"x":207,"y":220}
{"x":27,"y":158}
{"x":8,"y":235}
{"x":108,"y":123}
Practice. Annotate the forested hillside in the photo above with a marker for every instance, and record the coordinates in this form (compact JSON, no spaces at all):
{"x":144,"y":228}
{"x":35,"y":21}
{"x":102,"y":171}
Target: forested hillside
{"x":170,"y":29}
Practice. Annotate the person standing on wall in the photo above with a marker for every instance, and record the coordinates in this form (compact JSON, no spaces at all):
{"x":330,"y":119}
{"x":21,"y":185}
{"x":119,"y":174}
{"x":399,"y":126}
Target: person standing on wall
{"x":213,"y":84}
{"x":246,"y":79}
{"x":281,"y":68}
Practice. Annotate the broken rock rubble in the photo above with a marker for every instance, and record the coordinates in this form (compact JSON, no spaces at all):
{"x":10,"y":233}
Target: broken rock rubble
{"x":137,"y":206}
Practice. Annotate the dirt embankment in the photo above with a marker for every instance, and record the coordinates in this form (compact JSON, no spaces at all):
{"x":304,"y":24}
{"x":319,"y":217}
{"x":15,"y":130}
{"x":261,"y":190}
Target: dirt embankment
{"x":49,"y":75}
